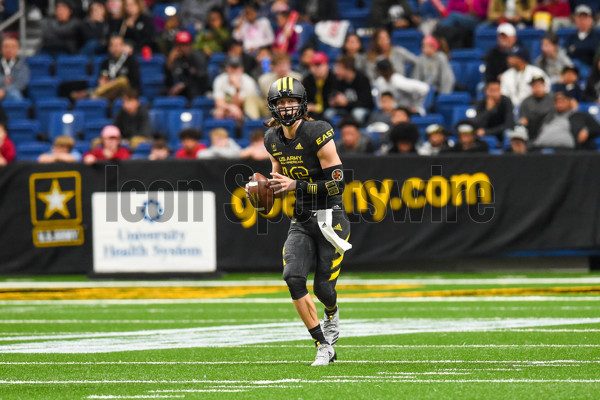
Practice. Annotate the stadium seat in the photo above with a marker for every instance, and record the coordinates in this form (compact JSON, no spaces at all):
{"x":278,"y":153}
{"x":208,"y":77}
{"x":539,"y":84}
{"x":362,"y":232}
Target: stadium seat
{"x":408,"y":38}
{"x":459,"y":72}
{"x":243,"y":142}
{"x":30,"y":151}
{"x":485,"y":39}
{"x":96,"y":63}
{"x":44,"y":107}
{"x":169,"y":103}
{"x":17,"y":109}
{"x":93,"y":128}
{"x":228,"y":124}
{"x":20,"y":131}
{"x":358,"y":17}
{"x":83,"y":146}
{"x":472,"y":76}
{"x":39,"y":65}
{"x":446,"y":102}
{"x":423,"y":122}
{"x":250,"y":125}
{"x":217,"y":59}
{"x":69,"y":68}
{"x":158,"y":119}
{"x":206,"y":104}
{"x":43,"y":87}
{"x":152,"y":86}
{"x":306,"y":34}
{"x":464,"y":55}
{"x":597,"y":142}
{"x":153,"y":67}
{"x":492,"y":141}
{"x":92,"y":108}
{"x":564,"y":33}
{"x":461,"y":112}
{"x":532,"y":39}
{"x":332,"y":52}
{"x":69,"y":123}
{"x":178,"y":120}
{"x":213,"y":71}
{"x":142,"y":150}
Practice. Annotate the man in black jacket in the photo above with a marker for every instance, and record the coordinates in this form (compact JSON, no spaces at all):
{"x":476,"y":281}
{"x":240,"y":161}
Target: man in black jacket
{"x":494,"y":112}
{"x":118,"y":72}
{"x":352,"y":91}
{"x":496,"y":59}
{"x":581,"y":45}
{"x":187,"y":69}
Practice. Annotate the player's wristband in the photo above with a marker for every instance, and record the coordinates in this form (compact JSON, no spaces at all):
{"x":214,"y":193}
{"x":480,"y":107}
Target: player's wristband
{"x":330,"y":187}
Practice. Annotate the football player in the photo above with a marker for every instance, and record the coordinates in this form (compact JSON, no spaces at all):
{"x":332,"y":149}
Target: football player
{"x":305,"y":160}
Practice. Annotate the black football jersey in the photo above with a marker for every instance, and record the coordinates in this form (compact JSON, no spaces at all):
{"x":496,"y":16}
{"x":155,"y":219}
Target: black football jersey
{"x":299,"y":161}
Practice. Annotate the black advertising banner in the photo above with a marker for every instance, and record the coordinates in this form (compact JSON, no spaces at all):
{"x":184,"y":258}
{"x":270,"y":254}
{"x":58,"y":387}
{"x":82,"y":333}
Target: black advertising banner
{"x":400,"y":207}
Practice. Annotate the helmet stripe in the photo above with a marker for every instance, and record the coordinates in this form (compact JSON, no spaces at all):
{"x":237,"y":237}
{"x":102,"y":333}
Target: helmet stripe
{"x":291,"y":83}
{"x":279,"y":84}
{"x":284,"y":83}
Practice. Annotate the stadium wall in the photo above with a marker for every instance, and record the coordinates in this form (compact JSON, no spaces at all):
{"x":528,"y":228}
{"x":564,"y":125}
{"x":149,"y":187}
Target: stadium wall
{"x":400,"y":208}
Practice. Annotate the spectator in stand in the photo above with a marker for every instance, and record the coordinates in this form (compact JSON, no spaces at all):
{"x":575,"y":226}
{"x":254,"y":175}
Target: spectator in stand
{"x":437,"y":141}
{"x":118,"y":73}
{"x":187,"y":69}
{"x":461,"y":19}
{"x":386,"y":109}
{"x":352,"y":141}
{"x":353,"y":47}
{"x":536,"y":107}
{"x":262,"y":63}
{"x":160,"y":150}
{"x":352,"y":92}
{"x":516,"y":80}
{"x":256,"y":150}
{"x":60,"y":34}
{"x":319,"y":85}
{"x":566,"y":128}
{"x":404,"y":137}
{"x":114,"y":9}
{"x":196,"y":12}
{"x":236,"y":49}
{"x":305,"y":61}
{"x":570,"y":78}
{"x":592,"y":86}
{"x":253,"y":31}
{"x":401,"y":114}
{"x":553,"y":59}
{"x":496,"y":59}
{"x":393,"y":14}
{"x":215,"y":36}
{"x":559,"y":10}
{"x":63,"y":150}
{"x":433,"y":68}
{"x":136,"y":26}
{"x":7,"y":148}
{"x":516,"y":11}
{"x":190,"y":145}
{"x":286,"y":39}
{"x":110,"y":148}
{"x":133,"y":119}
{"x":519,"y":139}
{"x":94,"y":30}
{"x":494,"y":112}
{"x":221,"y":146}
{"x":14,"y":74}
{"x":318,"y":10}
{"x":582,"y":45}
{"x":407,"y":92}
{"x":281,"y":66}
{"x":468,"y":141}
{"x":381,"y":48}
{"x":236,"y":93}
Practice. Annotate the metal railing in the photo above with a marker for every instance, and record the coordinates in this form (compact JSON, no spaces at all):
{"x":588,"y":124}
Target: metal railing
{"x":20,"y":15}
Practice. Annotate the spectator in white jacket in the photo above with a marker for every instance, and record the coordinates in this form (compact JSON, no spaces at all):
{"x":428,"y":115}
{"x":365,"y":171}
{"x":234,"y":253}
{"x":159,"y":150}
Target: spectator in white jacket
{"x":516,"y":80}
{"x":407,"y":92}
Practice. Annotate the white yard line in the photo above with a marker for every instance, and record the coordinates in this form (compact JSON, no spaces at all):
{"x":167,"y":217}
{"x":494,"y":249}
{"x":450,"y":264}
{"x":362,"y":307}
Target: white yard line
{"x":278,"y":282}
{"x":341,"y":298}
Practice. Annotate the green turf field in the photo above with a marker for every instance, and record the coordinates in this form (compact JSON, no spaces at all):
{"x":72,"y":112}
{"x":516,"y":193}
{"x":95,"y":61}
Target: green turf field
{"x":460,"y":336}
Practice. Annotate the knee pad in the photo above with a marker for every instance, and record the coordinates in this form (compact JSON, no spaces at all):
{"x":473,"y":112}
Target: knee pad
{"x":297,"y":286}
{"x":325,"y":292}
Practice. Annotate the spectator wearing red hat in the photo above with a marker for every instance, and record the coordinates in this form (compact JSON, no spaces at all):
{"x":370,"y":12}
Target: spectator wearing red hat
{"x":110,"y":148}
{"x":319,"y":85}
{"x":187,"y":69}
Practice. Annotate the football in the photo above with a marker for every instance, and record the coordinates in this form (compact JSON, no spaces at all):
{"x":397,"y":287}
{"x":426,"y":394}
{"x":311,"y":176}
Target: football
{"x":261,"y":196}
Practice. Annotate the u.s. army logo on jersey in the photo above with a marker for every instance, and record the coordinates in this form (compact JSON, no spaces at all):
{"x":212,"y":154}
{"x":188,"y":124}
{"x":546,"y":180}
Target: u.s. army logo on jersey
{"x":55,"y":199}
{"x":299,"y":147}
{"x":274,"y":146}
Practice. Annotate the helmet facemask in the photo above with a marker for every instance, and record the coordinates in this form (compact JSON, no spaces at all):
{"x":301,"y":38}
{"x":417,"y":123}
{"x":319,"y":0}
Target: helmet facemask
{"x":290,"y":114}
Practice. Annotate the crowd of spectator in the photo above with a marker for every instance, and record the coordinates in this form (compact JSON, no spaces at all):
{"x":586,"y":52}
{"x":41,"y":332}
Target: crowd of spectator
{"x":372,"y":88}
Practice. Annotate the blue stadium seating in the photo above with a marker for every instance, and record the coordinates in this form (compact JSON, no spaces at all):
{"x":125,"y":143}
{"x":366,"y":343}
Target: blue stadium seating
{"x":152,"y":86}
{"x":532,"y":39}
{"x":92,"y":108}
{"x":43,"y":87}
{"x":142,"y":150}
{"x":250,"y":125}
{"x":461,"y":112}
{"x":423,"y":122}
{"x":464,"y":55}
{"x":217,"y":59}
{"x":563,"y":33}
{"x":158,"y":119}
{"x":485,"y":39}
{"x":358,"y":17}
{"x":492,"y":141}
{"x":446,"y":102}
{"x":31,"y":150}
{"x":82,"y":146}
{"x":17,"y":109}
{"x":206,"y":104}
{"x":169,"y":103}
{"x":44,"y":107}
{"x":153,"y":67}
{"x":459,"y":72}
{"x":39,"y":65}
{"x":408,"y":38}
{"x":69,"y":68}
{"x":306,"y":33}
{"x":96,"y":62}
{"x":93,"y":128}
{"x":69,"y":123}
{"x":182,"y":119}
{"x":213,"y":71}
{"x":243,"y":142}
{"x":472,"y":76}
{"x":21,"y":131}
{"x":227,"y":124}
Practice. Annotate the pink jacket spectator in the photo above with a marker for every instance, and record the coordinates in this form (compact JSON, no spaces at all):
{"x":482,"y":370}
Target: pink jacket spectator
{"x":462,"y":6}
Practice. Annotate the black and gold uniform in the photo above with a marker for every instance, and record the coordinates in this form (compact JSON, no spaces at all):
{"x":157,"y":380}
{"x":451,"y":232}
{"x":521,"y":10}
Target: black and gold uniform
{"x":317,"y":191}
